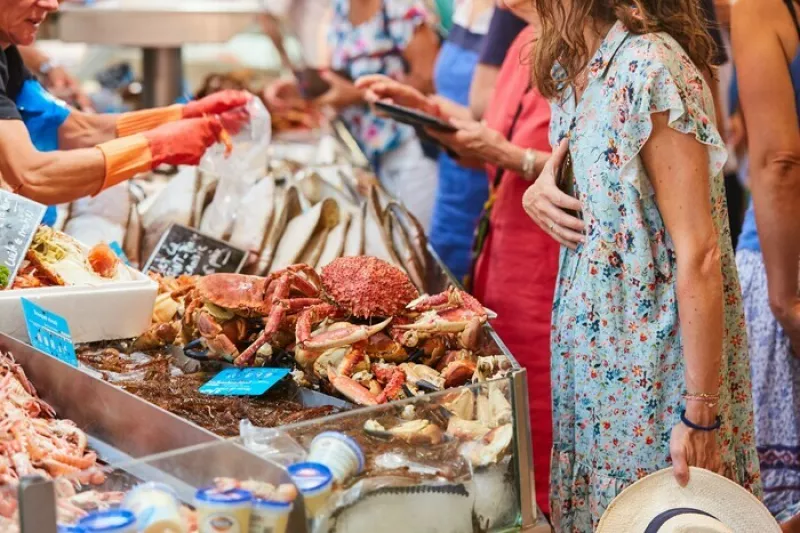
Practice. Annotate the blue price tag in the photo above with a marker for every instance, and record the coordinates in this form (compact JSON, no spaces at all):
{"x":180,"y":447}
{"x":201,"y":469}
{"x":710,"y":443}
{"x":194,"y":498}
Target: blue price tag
{"x":114,"y":245}
{"x":243,"y":381}
{"x":49,"y":333}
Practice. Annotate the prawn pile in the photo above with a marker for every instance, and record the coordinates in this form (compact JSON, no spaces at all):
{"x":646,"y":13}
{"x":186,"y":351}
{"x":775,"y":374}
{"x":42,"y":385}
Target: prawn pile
{"x":33,"y":442}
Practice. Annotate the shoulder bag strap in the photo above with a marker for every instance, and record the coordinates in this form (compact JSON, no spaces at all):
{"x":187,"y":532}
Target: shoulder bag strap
{"x":793,"y":11}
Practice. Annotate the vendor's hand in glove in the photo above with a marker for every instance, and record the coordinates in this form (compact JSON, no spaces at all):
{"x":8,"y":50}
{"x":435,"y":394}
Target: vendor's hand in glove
{"x":216,"y":104}
{"x":183,"y":142}
{"x":545,"y":203}
{"x":176,"y":143}
{"x":379,"y":88}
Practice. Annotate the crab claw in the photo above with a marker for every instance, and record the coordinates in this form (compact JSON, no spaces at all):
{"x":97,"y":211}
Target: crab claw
{"x":456,"y":373}
{"x":351,"y":389}
{"x":343,"y":336}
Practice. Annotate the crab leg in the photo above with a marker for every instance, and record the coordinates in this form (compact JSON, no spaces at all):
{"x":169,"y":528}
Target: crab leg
{"x":334,"y":338}
{"x":273,"y":323}
{"x":351,"y":389}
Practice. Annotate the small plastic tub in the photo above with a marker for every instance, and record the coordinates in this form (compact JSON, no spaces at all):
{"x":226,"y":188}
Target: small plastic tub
{"x":114,"y":521}
{"x":64,"y":528}
{"x":155,"y":507}
{"x":314,"y":481}
{"x":341,"y":454}
{"x":269,"y":516}
{"x":223,"y":511}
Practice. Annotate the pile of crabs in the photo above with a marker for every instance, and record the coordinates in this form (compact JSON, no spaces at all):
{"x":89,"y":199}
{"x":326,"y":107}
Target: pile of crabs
{"x":359,"y":327}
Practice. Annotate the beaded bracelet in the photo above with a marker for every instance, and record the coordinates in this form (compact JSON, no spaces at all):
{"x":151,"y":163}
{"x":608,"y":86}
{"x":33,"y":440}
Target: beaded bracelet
{"x":710,"y":399}
{"x":691,"y":425}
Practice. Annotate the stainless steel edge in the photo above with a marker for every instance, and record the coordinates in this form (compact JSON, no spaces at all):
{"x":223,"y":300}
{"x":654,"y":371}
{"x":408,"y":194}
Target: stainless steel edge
{"x":523,"y":440}
{"x":103,"y":410}
{"x":524,"y":451}
{"x":135,"y":436}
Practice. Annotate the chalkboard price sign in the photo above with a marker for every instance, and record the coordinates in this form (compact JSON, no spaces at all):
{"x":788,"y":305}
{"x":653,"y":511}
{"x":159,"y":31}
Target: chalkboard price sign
{"x":183,"y":250}
{"x":19,"y":219}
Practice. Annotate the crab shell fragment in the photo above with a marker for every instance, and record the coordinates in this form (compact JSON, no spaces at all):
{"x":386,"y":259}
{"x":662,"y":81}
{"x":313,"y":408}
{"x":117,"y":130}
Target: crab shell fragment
{"x":368,"y":286}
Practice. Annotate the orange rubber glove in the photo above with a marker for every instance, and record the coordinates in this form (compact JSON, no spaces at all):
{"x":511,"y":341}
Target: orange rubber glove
{"x":147,"y":119}
{"x":176,"y":143}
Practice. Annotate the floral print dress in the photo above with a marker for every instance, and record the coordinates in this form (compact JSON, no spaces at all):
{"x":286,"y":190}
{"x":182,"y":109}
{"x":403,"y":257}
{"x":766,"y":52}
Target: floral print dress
{"x":374,"y":47}
{"x":617,"y":361}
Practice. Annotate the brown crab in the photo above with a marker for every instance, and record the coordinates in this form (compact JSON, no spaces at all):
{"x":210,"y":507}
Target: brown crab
{"x":221,"y":305}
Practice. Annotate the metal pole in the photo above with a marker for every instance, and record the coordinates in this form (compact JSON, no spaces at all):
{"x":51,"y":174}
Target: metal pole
{"x":163,"y":76}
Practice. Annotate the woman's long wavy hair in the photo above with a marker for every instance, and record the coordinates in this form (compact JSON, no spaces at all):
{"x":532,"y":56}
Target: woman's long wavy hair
{"x":562,"y":37}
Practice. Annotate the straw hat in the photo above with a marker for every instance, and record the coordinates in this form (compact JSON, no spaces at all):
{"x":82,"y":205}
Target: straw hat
{"x":710,"y":503}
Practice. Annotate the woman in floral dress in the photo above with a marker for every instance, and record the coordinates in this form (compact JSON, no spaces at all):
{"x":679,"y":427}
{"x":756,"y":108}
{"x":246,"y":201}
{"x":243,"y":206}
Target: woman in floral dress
{"x":648,"y":342}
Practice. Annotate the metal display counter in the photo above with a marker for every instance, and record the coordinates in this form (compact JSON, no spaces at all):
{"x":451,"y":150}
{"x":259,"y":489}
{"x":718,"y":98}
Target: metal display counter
{"x":160,"y":29}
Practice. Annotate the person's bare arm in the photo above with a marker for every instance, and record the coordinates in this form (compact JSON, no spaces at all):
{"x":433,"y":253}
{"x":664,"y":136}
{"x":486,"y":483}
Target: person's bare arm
{"x":421,"y":55}
{"x":768,"y":106}
{"x":677,"y":166}
{"x":47,"y":177}
{"x":84,"y":130}
{"x":482,"y":88}
{"x":451,"y":109}
{"x":32,"y":57}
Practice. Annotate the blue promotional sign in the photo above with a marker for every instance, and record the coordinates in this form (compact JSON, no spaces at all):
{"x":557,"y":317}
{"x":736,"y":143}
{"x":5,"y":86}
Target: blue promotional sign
{"x":243,"y":381}
{"x":49,"y":333}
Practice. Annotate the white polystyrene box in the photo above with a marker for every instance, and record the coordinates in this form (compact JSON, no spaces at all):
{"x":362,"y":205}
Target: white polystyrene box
{"x":117,"y":310}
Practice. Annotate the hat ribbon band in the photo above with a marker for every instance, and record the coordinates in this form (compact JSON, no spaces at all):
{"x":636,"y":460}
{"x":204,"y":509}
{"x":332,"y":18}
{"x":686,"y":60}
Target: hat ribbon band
{"x":655,"y":524}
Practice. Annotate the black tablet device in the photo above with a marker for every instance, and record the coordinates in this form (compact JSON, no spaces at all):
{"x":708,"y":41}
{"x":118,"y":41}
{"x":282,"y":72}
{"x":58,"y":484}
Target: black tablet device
{"x":412,"y":117}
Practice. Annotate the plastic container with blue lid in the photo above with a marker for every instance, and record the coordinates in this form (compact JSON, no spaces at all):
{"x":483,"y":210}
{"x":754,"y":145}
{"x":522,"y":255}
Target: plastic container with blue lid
{"x":64,"y":528}
{"x":314,"y":481}
{"x":340,"y":453}
{"x":155,"y":506}
{"x":270,"y":516}
{"x":223,"y":510}
{"x":114,"y":521}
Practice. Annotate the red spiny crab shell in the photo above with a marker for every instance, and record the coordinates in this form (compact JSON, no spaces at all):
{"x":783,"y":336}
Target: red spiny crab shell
{"x":368,"y":286}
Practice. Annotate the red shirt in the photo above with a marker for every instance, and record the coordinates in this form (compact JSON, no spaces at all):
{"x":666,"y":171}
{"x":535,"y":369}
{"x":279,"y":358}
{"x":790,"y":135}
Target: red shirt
{"x":516,"y":272}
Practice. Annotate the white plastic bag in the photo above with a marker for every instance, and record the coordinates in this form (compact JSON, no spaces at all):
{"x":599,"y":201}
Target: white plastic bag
{"x":272,"y":444}
{"x":238,"y":171}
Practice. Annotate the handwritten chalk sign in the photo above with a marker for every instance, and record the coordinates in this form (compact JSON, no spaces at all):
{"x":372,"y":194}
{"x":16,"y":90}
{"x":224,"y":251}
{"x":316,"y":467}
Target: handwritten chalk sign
{"x":19,"y":219}
{"x":183,"y":250}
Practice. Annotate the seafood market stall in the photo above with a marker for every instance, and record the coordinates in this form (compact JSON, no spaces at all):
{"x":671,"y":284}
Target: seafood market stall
{"x":385,"y":390}
{"x":421,"y":453}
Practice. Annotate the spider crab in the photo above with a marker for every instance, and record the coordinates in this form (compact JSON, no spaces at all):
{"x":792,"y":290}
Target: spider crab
{"x":221,"y":307}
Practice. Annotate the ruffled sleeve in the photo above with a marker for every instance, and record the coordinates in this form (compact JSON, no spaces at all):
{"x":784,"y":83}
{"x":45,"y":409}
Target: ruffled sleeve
{"x":405,"y":16}
{"x":663,"y":80}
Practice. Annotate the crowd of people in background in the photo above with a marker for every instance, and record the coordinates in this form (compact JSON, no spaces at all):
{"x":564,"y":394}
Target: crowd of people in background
{"x":593,"y":196}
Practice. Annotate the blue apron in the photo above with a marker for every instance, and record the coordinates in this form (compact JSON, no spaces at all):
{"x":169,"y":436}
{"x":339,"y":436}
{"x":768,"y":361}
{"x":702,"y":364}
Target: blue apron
{"x":462,"y":191}
{"x":42,"y":114}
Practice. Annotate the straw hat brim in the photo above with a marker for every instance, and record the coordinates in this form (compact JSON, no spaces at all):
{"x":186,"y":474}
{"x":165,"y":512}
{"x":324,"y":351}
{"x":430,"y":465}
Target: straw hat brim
{"x":636,"y":506}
